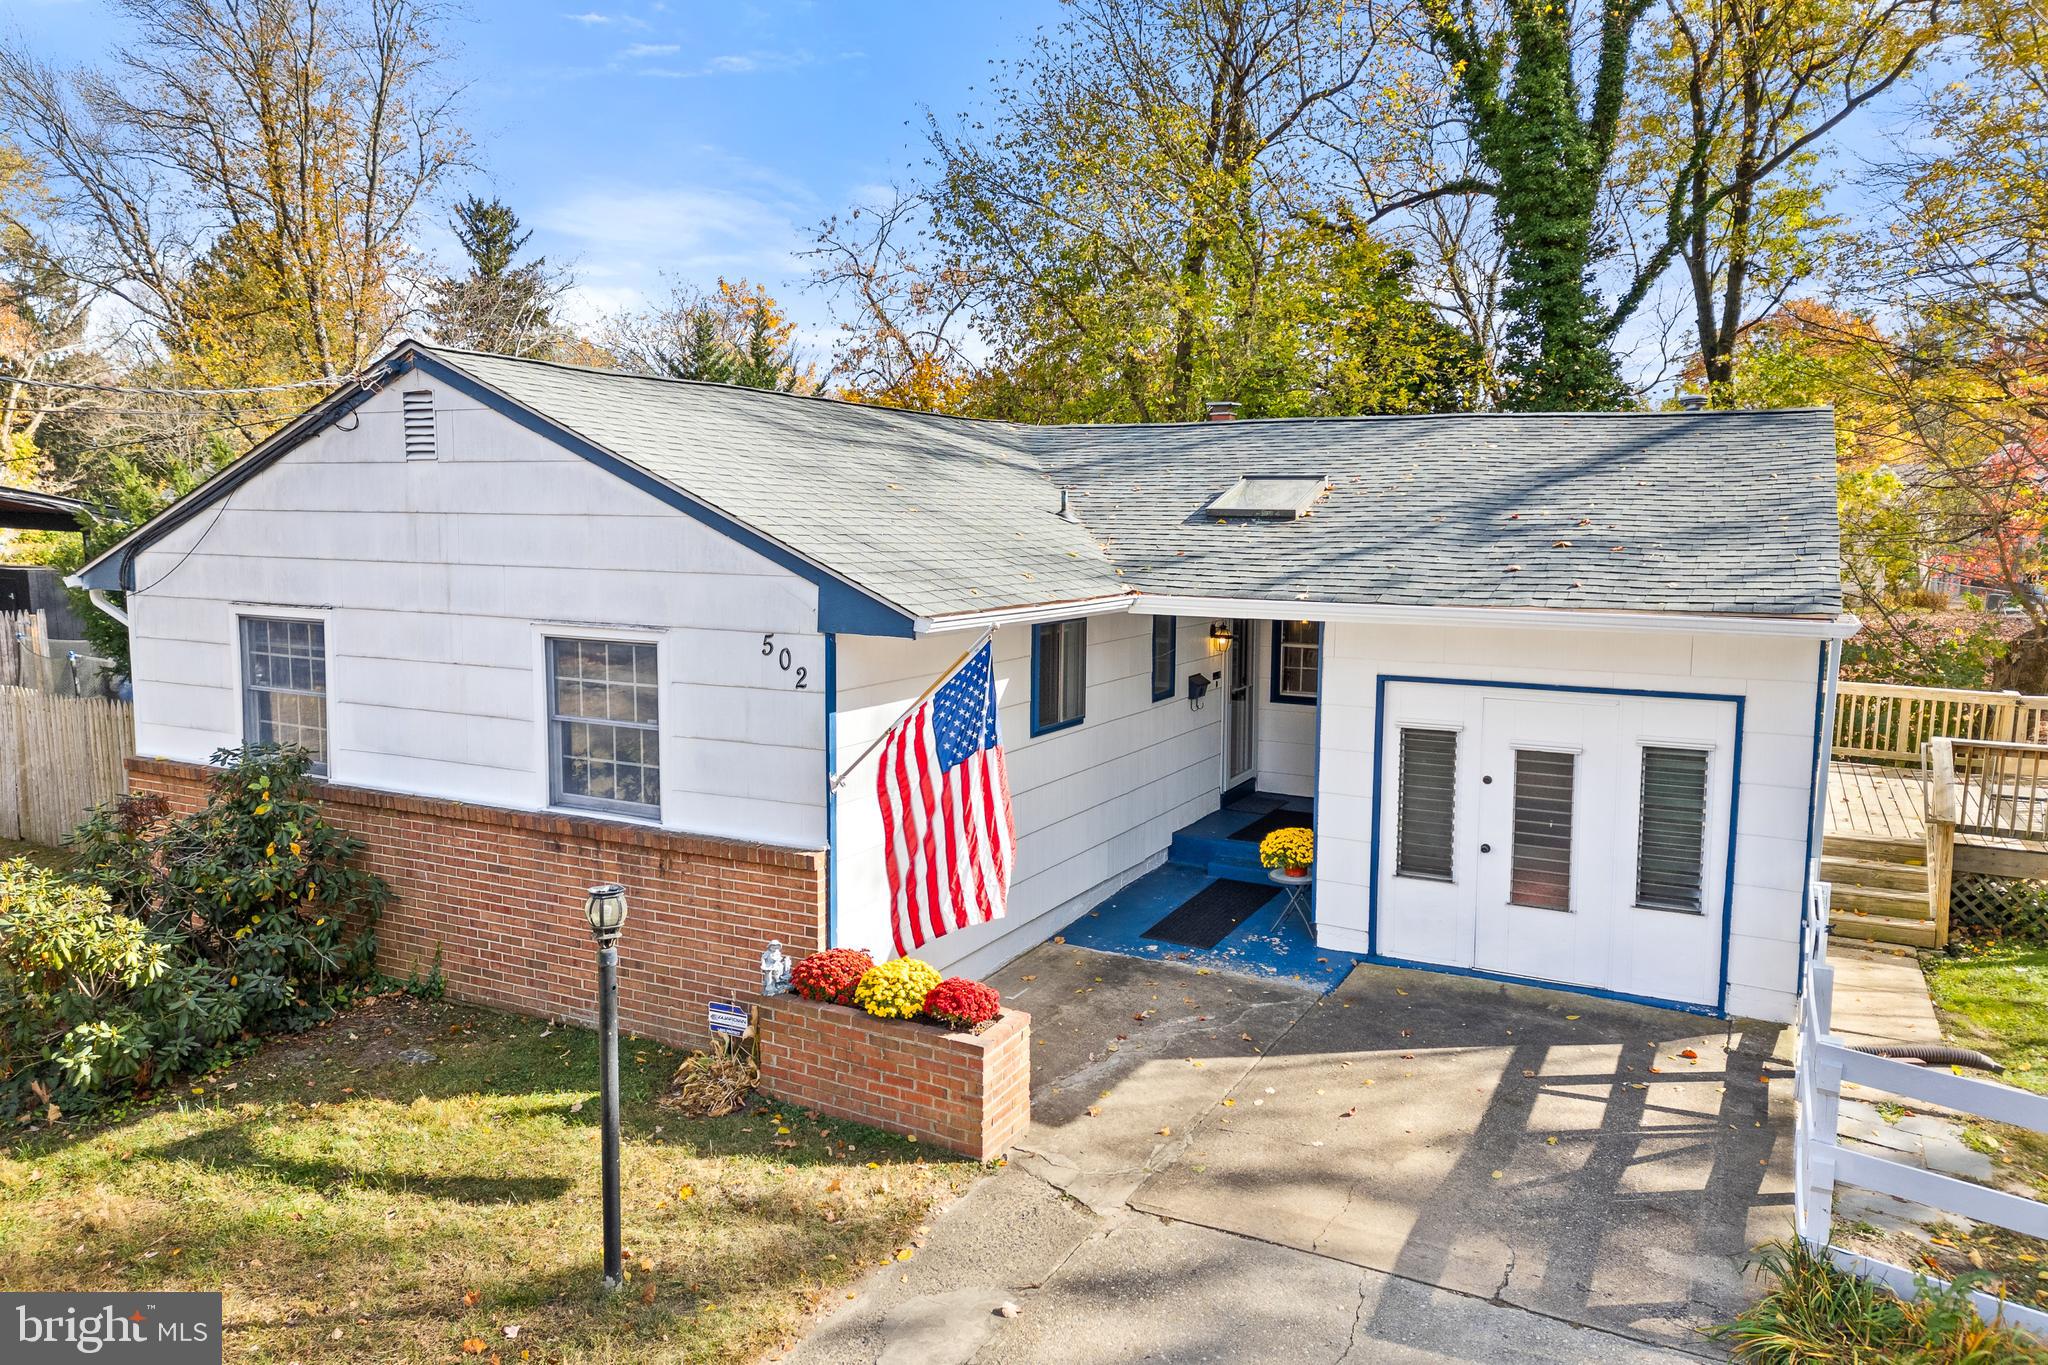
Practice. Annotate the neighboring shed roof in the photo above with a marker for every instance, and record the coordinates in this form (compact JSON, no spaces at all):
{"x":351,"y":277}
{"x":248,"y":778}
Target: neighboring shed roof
{"x":24,"y":509}
{"x":1696,"y":513}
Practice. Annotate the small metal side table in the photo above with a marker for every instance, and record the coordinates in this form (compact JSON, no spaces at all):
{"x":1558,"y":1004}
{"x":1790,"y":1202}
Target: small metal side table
{"x":1297,"y":899}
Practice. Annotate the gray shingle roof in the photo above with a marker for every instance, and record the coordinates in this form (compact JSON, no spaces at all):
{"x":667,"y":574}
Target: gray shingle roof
{"x":1726,"y":512}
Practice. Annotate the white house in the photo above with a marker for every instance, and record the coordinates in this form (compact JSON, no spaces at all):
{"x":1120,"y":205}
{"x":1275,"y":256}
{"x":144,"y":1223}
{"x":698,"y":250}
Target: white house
{"x":1554,"y":683}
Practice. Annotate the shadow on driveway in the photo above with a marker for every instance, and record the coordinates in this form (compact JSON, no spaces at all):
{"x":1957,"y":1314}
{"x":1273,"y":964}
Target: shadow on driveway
{"x":1535,"y":1148}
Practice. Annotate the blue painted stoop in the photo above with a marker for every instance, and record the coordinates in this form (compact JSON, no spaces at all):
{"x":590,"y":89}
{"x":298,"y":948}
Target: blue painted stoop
{"x":1207,"y":847}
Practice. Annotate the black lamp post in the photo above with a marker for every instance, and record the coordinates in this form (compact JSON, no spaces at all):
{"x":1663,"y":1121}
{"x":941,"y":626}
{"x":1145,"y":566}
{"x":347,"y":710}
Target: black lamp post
{"x":605,"y":907}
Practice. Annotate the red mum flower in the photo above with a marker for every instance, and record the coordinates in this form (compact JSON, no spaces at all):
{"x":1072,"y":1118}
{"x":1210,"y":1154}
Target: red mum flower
{"x":959,"y":1003}
{"x":830,"y":975}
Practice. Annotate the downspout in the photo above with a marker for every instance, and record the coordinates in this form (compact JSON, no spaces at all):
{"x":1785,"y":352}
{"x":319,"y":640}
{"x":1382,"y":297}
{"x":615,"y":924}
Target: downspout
{"x":98,"y":598}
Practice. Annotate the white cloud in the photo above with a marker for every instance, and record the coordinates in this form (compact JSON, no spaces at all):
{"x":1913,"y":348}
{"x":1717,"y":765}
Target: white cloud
{"x":652,"y":50}
{"x":590,"y":17}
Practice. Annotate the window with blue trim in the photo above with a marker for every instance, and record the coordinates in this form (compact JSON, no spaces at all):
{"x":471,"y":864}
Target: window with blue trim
{"x":1059,"y":675}
{"x":1297,"y":660}
{"x":1165,"y":641}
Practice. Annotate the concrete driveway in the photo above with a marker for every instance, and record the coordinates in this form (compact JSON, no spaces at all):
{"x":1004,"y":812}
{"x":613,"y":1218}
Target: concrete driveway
{"x":1415,"y":1166}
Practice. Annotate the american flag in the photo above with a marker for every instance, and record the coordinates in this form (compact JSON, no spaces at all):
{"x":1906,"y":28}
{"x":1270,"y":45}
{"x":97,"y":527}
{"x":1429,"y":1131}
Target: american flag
{"x":947,"y":833}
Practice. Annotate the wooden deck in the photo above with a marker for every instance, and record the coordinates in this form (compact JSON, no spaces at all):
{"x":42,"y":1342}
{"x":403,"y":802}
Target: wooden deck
{"x":1872,"y":801}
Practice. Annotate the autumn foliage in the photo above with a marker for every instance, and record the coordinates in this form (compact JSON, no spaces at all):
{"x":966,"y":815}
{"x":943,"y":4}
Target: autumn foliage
{"x":831,"y":975}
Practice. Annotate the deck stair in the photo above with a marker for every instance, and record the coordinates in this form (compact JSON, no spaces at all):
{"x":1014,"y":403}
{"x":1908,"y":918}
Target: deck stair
{"x":1880,"y":889}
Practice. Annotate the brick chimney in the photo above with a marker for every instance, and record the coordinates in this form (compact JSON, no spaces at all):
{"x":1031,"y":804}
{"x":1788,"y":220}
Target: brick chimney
{"x":1219,"y":411}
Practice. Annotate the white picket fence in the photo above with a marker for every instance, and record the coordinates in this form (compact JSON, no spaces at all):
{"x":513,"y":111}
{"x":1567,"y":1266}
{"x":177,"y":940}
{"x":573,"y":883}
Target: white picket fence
{"x":1825,"y":1065}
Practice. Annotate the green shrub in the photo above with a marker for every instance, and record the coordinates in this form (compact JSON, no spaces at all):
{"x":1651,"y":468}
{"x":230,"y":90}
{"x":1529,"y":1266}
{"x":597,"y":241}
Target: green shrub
{"x":169,"y":939}
{"x":91,"y":1000}
{"x":258,"y":883}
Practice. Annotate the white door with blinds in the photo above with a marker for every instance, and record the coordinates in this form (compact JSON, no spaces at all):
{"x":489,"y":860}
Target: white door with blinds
{"x":1575,"y":837}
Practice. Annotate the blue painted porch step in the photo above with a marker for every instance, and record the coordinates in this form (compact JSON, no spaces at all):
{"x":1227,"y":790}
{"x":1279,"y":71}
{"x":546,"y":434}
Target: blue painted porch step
{"x":1206,"y":845}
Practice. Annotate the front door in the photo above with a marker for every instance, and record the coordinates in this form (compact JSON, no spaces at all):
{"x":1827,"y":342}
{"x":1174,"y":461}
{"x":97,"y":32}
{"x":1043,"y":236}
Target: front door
{"x":1240,"y":741}
{"x":1570,"y":836}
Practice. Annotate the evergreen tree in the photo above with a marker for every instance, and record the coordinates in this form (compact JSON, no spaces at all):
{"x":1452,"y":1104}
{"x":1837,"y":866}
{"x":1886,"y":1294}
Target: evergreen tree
{"x":497,"y":306}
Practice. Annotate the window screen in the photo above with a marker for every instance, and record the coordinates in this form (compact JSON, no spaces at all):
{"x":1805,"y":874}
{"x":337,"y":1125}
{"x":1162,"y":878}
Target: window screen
{"x":1423,"y":823}
{"x":604,"y":714}
{"x":284,"y":685}
{"x":1299,"y":651}
{"x":1671,"y":851}
{"x":1164,"y":632}
{"x":1059,"y":684}
{"x":1541,"y":874}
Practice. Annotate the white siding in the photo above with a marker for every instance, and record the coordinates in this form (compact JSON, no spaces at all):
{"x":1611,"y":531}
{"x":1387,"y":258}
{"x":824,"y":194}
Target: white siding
{"x":1777,"y":677}
{"x":1095,"y":804}
{"x":438,"y":579}
{"x":1286,"y":730}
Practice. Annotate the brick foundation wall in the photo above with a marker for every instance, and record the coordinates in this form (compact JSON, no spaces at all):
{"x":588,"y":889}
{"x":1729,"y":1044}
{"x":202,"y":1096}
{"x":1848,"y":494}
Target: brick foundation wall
{"x":967,"y":1092}
{"x":499,"y":895}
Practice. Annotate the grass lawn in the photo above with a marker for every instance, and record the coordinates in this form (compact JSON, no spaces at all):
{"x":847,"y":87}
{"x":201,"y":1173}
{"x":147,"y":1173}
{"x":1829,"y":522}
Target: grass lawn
{"x":354,"y":1205}
{"x":1995,"y":999}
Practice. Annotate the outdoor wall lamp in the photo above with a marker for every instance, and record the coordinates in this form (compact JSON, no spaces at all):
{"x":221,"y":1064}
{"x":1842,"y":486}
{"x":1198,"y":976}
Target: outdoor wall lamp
{"x":605,"y":907}
{"x":1221,"y":632}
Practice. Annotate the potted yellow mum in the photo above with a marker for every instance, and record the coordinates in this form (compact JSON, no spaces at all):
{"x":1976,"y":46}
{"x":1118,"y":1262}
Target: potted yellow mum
{"x":1288,"y":851}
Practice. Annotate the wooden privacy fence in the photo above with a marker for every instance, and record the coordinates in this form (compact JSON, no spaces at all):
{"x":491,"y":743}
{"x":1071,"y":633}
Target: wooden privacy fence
{"x":1825,"y":1065}
{"x":59,"y":757}
{"x":24,"y":636}
{"x":1888,"y":724}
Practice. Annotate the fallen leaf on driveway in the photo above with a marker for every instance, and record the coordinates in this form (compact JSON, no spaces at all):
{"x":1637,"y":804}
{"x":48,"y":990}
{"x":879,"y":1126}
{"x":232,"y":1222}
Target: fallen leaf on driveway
{"x":1094,"y":1110}
{"x":1571,"y":1016}
{"x":1690,"y":1055}
{"x":1166,"y":1132}
{"x":1352,"y":1112}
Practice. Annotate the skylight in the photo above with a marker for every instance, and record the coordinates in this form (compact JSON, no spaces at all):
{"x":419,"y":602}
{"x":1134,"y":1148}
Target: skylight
{"x":1280,"y":497}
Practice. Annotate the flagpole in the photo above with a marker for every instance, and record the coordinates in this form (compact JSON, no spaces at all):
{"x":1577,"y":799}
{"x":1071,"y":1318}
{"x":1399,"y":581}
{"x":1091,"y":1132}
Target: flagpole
{"x":839,"y":780}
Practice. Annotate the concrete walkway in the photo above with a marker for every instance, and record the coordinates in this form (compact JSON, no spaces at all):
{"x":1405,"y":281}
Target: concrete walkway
{"x":1413,"y":1167}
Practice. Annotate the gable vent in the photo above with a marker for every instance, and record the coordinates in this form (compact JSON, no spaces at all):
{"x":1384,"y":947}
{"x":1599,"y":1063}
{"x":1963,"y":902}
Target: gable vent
{"x":419,"y":424}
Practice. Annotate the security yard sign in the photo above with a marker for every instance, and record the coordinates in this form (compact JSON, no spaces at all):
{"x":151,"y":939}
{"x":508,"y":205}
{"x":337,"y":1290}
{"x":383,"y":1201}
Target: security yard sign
{"x":728,"y":1020}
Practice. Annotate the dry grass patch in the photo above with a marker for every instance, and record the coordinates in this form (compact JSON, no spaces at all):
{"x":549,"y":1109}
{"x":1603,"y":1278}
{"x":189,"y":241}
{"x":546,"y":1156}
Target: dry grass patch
{"x":353,"y":1204}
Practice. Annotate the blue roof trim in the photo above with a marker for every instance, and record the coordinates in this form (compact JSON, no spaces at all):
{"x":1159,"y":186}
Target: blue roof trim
{"x":842,"y":607}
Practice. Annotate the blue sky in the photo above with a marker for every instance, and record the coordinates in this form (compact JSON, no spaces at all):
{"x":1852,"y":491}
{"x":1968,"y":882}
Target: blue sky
{"x":644,"y":139}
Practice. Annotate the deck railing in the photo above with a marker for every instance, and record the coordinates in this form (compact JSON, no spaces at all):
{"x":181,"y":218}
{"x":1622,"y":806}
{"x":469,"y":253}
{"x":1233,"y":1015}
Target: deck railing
{"x":1889,"y":724}
{"x":2000,"y":789}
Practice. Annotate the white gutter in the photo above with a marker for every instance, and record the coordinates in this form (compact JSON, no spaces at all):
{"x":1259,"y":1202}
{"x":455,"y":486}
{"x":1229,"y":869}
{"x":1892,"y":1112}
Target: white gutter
{"x":1017,"y":616}
{"x":1542,"y":618}
{"x":99,"y":599}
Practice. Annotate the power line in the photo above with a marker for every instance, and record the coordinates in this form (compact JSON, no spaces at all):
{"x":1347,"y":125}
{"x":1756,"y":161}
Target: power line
{"x":334,"y":383}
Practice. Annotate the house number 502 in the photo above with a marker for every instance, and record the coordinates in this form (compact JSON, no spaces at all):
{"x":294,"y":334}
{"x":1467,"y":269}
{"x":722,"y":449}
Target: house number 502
{"x":769,"y":650}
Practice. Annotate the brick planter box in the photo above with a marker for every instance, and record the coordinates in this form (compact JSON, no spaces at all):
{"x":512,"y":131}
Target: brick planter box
{"x":966,"y":1092}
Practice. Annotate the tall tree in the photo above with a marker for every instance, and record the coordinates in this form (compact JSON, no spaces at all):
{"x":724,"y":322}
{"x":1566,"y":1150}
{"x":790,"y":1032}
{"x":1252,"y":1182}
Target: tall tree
{"x":1153,"y":172}
{"x":246,"y":178}
{"x":43,"y":316}
{"x":496,"y":305}
{"x":1544,"y":140}
{"x":733,"y":334}
{"x":1734,"y":101}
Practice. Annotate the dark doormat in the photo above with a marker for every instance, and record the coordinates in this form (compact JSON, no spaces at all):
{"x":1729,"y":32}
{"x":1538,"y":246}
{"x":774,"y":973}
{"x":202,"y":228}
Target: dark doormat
{"x":1272,"y":820}
{"x":1207,"y":917}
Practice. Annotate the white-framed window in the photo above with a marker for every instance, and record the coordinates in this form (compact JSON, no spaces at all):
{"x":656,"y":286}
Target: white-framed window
{"x":1297,"y":660}
{"x":284,"y":684}
{"x":1672,"y":846}
{"x":1165,"y":647}
{"x":604,"y":725}
{"x":1059,"y":675}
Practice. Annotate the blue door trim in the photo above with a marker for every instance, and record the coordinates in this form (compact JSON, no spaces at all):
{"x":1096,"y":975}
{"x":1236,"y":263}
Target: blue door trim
{"x":831,"y":793}
{"x":842,"y":607}
{"x":1719,"y":1009}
